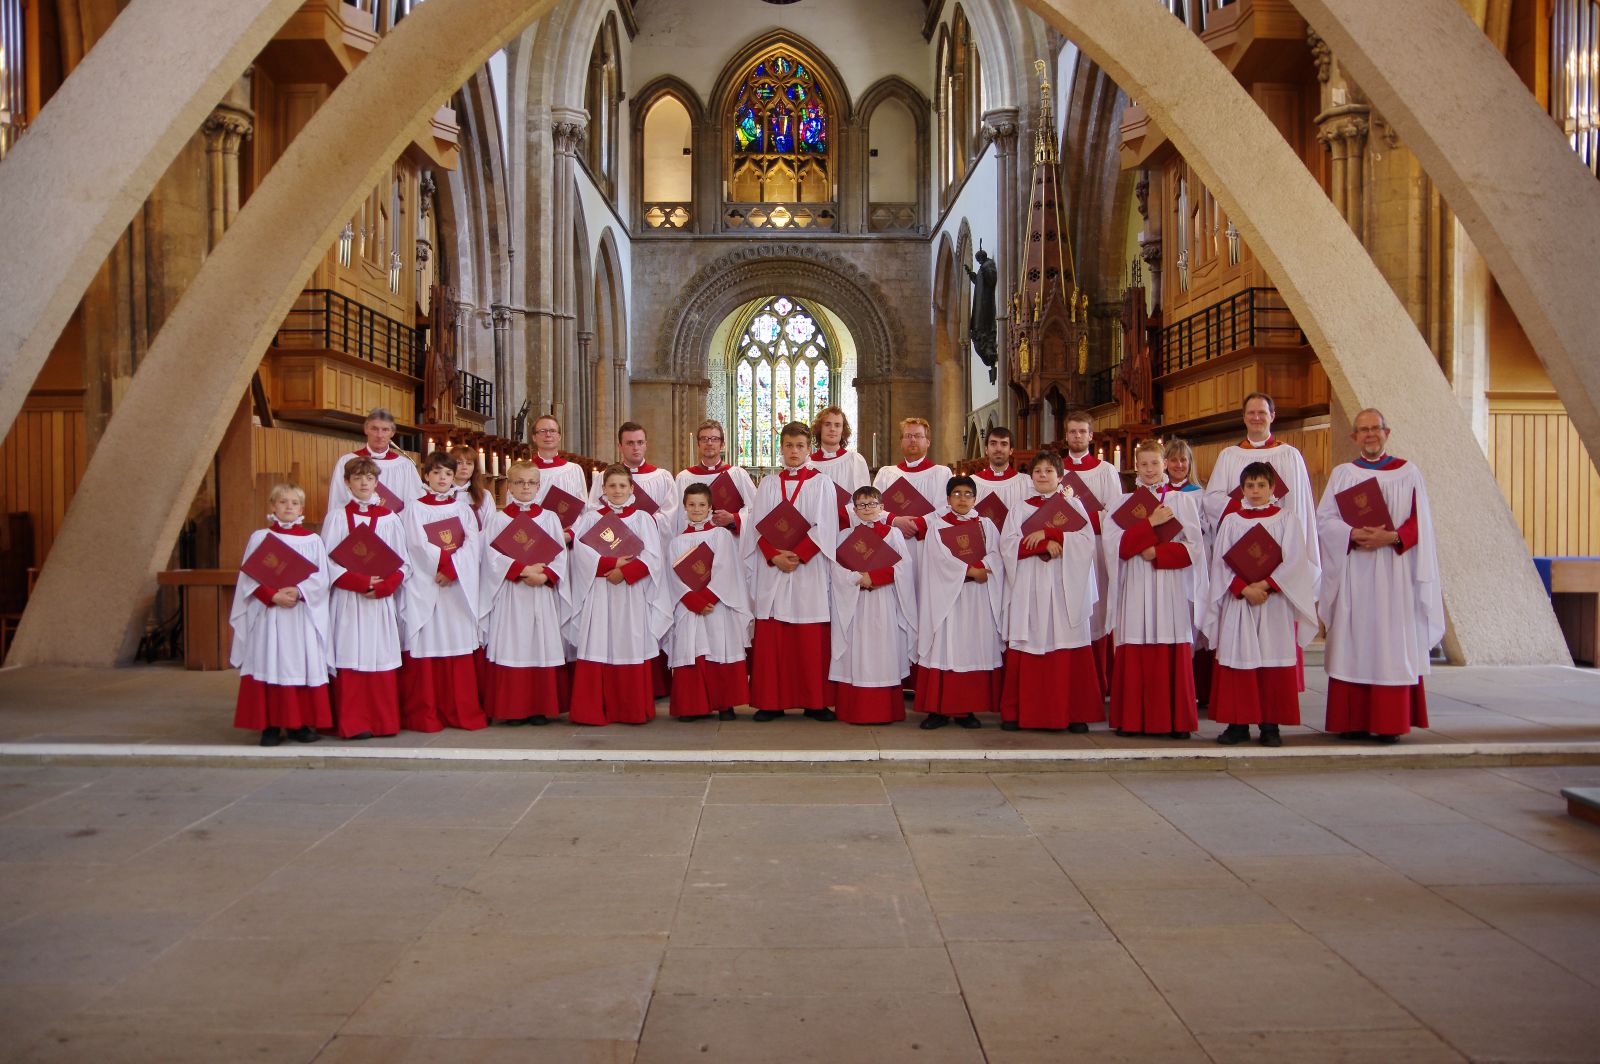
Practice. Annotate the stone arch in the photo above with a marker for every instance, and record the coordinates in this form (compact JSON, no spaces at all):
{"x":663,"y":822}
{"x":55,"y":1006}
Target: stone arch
{"x":609,"y":350}
{"x":1542,"y":256}
{"x":894,"y":87}
{"x":951,"y":381}
{"x":704,"y":169}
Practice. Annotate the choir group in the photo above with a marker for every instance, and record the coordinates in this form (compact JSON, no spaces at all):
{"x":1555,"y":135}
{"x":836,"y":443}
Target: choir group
{"x":1050,"y":596}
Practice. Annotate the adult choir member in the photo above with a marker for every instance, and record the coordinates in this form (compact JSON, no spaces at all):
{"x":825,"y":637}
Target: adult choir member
{"x":1157,"y":559}
{"x":710,"y":616}
{"x":922,"y":474}
{"x":999,"y":477}
{"x":844,"y":467}
{"x":280,"y":630}
{"x":1105,"y":484}
{"x":398,"y":481}
{"x":439,"y":606}
{"x":1381,"y":599}
{"x":1258,"y":618}
{"x":620,"y":607}
{"x":556,"y":472}
{"x":469,"y":484}
{"x":960,"y":613}
{"x":649,"y":482}
{"x":787,"y":562}
{"x":874,"y":610}
{"x":1050,"y":677}
{"x":363,"y":612}
{"x":523,"y":606}
{"x":1292,"y":487}
{"x":710,"y":441}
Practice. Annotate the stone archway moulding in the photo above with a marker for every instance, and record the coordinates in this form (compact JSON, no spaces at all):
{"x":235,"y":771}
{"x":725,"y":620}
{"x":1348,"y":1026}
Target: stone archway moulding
{"x":69,"y":188}
{"x":241,"y":294}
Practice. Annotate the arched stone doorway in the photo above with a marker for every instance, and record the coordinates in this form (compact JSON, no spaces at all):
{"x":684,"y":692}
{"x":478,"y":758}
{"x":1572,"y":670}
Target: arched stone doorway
{"x":884,"y":389}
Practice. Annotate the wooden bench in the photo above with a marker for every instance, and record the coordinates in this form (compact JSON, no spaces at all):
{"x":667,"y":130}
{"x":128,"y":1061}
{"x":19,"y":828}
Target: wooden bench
{"x":1575,"y":595}
{"x":207,"y":596}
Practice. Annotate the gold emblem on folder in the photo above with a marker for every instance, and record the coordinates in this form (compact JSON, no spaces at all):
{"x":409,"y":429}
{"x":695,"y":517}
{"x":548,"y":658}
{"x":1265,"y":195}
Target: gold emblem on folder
{"x":1140,"y":512}
{"x":609,"y":536}
{"x":361,"y":550}
{"x":447,"y":537}
{"x":521,"y":536}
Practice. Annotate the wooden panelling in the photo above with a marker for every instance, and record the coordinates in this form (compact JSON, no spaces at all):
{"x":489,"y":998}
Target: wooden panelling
{"x":313,"y":383}
{"x":41,"y":463}
{"x":1546,"y":476}
{"x":303,"y":458}
{"x":1315,"y":445}
{"x":1217,"y":387}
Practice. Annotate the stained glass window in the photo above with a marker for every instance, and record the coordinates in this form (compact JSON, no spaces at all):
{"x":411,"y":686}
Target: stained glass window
{"x":781,"y":372}
{"x":780,"y":119}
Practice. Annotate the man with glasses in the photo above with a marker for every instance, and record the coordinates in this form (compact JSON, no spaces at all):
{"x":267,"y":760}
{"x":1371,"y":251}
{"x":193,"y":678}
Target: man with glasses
{"x":709,"y":441}
{"x":554,"y":470}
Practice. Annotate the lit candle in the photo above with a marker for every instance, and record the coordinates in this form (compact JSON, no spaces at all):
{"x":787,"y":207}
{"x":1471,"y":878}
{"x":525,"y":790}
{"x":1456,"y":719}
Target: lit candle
{"x":483,"y":461}
{"x":1116,"y":457}
{"x":874,"y":450}
{"x":430,"y":444}
{"x":494,"y":463}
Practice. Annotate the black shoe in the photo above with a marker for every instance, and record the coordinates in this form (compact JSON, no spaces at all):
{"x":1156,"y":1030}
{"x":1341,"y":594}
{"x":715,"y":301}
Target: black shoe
{"x":821,"y":714}
{"x":1010,"y":725}
{"x":538,"y":720}
{"x":271,"y":736}
{"x":1124,"y":733}
{"x":1178,"y":735}
{"x":1354,"y":735}
{"x":517,"y":723}
{"x":1270,"y":736}
{"x":1387,"y":740}
{"x":1234,"y":734}
{"x":363,"y":735}
{"x":934,"y":720}
{"x":969,"y":721}
{"x":761,"y":716}
{"x":727,"y":714}
{"x":304,"y":734}
{"x":697,"y":716}
{"x":1077,"y":728}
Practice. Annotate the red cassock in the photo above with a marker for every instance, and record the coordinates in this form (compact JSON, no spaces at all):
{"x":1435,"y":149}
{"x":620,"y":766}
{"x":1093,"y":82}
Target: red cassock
{"x":708,"y":652}
{"x":365,"y":631}
{"x":282,"y":653}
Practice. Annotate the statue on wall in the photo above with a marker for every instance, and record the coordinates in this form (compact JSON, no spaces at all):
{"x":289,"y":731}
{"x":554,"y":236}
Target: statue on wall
{"x":1133,"y":384}
{"x":981,"y":328}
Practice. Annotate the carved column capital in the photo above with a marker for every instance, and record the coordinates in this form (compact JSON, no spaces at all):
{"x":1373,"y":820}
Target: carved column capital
{"x":568,"y":128}
{"x":226,"y":126}
{"x":1001,"y":126}
{"x":1321,"y":54}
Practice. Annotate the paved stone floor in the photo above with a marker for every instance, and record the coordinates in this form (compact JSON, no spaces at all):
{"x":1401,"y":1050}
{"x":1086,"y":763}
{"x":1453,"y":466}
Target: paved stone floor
{"x":173,"y":914}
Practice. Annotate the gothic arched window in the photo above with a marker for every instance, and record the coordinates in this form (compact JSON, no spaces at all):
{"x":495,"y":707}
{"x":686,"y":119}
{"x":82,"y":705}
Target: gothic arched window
{"x":780,"y":139}
{"x":784,"y":368}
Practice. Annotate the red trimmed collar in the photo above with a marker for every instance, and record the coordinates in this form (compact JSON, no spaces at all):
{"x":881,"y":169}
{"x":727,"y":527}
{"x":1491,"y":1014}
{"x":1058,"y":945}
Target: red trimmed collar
{"x":556,"y":464}
{"x":643,"y":469}
{"x":1382,"y":462}
{"x":371,"y":509}
{"x":819,"y":455}
{"x":1271,"y":441}
{"x":1088,"y":461}
{"x":1265,"y":511}
{"x":433,"y":500}
{"x":881,"y":527}
{"x":802,"y":473}
{"x":923,"y":463}
{"x":988,"y":474}
{"x":605,"y":508}
{"x":291,"y":530}
{"x":386,"y":456}
{"x":706,"y":527}
{"x":952,"y":518}
{"x":515,"y":507}
{"x":707,"y":471}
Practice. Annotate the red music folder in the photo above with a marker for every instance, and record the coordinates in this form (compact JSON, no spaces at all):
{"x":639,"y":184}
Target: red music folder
{"x":694,"y":568}
{"x":277,"y":565}
{"x":903,"y":500}
{"x":784,"y":527}
{"x":447,"y":535}
{"x":1054,"y":512}
{"x":1255,"y":556}
{"x":724,"y":495}
{"x":1080,"y":491}
{"x":567,"y":506}
{"x":991,"y":507}
{"x":525,"y":543}
{"x":1362,"y":506}
{"x":965,"y":541}
{"x":610,"y":537}
{"x":390,"y":499}
{"x":364,"y":553}
{"x":863,"y":550}
{"x":844,"y":496}
{"x":642,"y":499}
{"x":1138,"y":507}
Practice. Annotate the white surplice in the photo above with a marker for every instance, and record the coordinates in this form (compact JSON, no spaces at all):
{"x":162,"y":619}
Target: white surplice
{"x":560,"y":473}
{"x":621,"y":623}
{"x":396,"y":472}
{"x":873,"y":630}
{"x":846,"y":468}
{"x":440,"y":622}
{"x":523,"y":627}
{"x":698,"y":474}
{"x":961,"y":623}
{"x":930,"y":479}
{"x":1384,"y":609}
{"x":365,"y":631}
{"x":724,"y":636}
{"x":1050,"y":602}
{"x":1264,"y":636}
{"x":655,"y":482}
{"x":285,"y":645}
{"x":800,"y":597}
{"x":1149,"y":605}
{"x":1011,"y":488}
{"x":1103,"y":479}
{"x":1290,"y":466}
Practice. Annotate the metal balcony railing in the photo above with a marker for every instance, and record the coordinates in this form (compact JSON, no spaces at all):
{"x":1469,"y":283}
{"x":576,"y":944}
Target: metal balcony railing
{"x":1255,"y":317}
{"x":474,"y":393}
{"x":326,"y":319}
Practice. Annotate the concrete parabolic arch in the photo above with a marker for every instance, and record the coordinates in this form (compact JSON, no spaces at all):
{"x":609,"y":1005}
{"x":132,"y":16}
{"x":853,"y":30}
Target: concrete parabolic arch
{"x":70,"y":187}
{"x":241,"y":294}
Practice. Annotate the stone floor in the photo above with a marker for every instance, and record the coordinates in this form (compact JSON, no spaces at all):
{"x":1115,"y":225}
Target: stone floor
{"x":174,"y":914}
{"x":166,"y":706}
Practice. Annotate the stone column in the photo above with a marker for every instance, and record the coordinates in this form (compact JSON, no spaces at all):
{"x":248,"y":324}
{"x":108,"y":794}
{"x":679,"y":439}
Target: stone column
{"x":584,"y":364}
{"x":224,"y":129}
{"x":567,"y":130}
{"x":1002,"y":126}
{"x":1343,"y":131}
{"x":500,"y":315}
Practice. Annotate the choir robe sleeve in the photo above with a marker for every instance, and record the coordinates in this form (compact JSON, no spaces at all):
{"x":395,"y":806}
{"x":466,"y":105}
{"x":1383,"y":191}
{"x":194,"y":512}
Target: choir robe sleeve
{"x":847,"y":594}
{"x":942,"y":577}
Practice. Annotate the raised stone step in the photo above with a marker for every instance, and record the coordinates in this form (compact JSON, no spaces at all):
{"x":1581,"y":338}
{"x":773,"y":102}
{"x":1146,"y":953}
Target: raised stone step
{"x":1583,"y":803}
